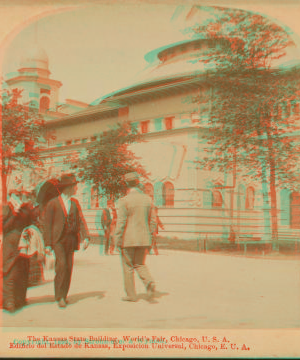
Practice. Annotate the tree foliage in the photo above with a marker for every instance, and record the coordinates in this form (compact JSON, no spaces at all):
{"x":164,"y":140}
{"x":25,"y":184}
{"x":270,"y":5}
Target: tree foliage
{"x":241,"y":40}
{"x":105,"y":162}
{"x":23,"y":133}
{"x":254,"y":115}
{"x":23,"y":130}
{"x":251,"y":124}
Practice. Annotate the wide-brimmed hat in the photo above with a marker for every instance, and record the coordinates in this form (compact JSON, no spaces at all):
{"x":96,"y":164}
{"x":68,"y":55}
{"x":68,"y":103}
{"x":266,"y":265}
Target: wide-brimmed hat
{"x":67,"y":180}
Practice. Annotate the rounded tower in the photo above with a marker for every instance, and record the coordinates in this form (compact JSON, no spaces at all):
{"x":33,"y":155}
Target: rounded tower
{"x":33,"y":78}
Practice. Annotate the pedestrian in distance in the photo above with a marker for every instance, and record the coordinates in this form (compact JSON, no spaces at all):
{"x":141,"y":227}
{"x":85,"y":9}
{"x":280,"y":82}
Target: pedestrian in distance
{"x":105,"y":223}
{"x":64,"y":228}
{"x":159,"y":224}
{"x":113,"y":212}
{"x":134,"y":230}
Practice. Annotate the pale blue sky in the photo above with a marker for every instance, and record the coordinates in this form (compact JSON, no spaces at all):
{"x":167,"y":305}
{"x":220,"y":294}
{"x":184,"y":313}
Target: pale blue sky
{"x":100,"y":48}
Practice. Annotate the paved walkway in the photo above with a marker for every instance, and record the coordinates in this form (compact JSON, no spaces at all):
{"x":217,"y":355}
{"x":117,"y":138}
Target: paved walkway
{"x":194,"y":291}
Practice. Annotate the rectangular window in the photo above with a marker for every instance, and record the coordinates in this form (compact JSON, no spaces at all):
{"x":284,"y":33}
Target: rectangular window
{"x":124,"y":111}
{"x":134,"y":125}
{"x":158,"y":124}
{"x":52,"y":142}
{"x":195,"y":118}
{"x":145,"y":126}
{"x":169,"y":122}
{"x":68,"y":142}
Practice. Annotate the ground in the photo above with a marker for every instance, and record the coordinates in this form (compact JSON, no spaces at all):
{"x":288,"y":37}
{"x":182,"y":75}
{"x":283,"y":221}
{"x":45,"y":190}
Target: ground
{"x":194,"y":291}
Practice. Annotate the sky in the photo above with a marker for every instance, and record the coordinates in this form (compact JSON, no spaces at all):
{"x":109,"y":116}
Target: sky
{"x":95,"y":50}
{"x":100,"y":48}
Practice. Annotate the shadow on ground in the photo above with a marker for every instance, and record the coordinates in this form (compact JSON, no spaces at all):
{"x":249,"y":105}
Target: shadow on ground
{"x":72,"y":299}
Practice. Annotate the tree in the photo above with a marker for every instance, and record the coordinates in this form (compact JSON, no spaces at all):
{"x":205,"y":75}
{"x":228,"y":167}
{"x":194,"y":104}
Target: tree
{"x":248,"y":126}
{"x":104,"y":163}
{"x":23,"y":130}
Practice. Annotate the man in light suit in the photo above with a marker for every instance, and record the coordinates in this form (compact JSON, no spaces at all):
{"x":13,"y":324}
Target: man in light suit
{"x":133,"y":235}
{"x":64,"y":226}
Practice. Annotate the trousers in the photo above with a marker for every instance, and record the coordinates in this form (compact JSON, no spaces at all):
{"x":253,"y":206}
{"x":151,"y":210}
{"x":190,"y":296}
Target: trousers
{"x":64,"y":255}
{"x":133,"y":259}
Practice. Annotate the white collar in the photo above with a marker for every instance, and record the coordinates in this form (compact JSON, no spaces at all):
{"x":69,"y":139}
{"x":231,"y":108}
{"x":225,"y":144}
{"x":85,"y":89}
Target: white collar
{"x":65,"y":197}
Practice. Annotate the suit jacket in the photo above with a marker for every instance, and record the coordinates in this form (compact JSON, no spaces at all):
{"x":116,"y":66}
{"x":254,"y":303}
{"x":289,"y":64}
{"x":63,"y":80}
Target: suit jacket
{"x":55,"y":218}
{"x":135,"y":220}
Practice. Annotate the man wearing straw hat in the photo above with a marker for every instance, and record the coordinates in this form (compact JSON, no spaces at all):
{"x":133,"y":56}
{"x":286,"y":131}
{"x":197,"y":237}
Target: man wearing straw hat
{"x":133,"y":235}
{"x":64,"y":226}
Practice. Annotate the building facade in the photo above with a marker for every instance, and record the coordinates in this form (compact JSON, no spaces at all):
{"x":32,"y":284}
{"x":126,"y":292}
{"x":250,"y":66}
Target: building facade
{"x":192,"y":203}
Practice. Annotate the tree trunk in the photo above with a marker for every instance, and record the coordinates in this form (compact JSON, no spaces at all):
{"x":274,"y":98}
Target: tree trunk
{"x":265,"y":192}
{"x":266,"y":205}
{"x":233,"y":236}
{"x":274,"y":218}
{"x":4,"y":189}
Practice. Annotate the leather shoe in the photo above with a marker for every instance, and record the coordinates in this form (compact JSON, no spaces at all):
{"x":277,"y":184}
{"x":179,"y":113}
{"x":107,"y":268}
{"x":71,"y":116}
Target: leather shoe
{"x":61,"y":303}
{"x":127,"y":298}
{"x":151,"y":290}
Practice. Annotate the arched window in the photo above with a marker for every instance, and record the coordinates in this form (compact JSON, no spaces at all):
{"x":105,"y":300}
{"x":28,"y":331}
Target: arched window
{"x":159,"y":194}
{"x":94,"y":199}
{"x":217,"y":199}
{"x":149,"y":190}
{"x":241,"y":197}
{"x":169,"y":194}
{"x":295,"y":210}
{"x":249,"y":198}
{"x":44,"y":104}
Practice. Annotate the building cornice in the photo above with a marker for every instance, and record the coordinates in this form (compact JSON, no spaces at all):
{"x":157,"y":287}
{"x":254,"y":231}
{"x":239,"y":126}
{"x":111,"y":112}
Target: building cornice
{"x":109,"y":106}
{"x":37,"y":79}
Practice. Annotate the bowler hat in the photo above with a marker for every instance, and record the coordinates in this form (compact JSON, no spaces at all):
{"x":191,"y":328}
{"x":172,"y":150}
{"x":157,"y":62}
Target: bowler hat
{"x":133,"y":176}
{"x":67,"y":180}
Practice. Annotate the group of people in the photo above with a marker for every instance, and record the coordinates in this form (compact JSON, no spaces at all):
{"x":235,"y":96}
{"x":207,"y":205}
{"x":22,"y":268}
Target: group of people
{"x":132,"y":229}
{"x":19,"y":220}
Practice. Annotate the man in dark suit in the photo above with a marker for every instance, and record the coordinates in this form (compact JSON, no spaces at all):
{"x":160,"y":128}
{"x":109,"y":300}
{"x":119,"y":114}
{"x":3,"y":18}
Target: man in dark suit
{"x":64,"y":226}
{"x":136,"y":223}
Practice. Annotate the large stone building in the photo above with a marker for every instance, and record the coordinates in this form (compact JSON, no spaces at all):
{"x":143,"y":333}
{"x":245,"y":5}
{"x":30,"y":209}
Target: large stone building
{"x":192,"y":203}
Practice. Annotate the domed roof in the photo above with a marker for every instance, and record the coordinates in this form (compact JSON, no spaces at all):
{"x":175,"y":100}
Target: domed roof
{"x":35,"y":57}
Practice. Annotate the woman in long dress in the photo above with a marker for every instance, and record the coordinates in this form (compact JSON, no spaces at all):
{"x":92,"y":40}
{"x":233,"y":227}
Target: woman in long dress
{"x":15,"y":266}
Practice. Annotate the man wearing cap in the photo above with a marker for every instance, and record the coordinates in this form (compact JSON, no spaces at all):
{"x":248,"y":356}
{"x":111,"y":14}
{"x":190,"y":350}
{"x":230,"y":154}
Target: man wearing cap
{"x":133,"y":235}
{"x":64,"y":226}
